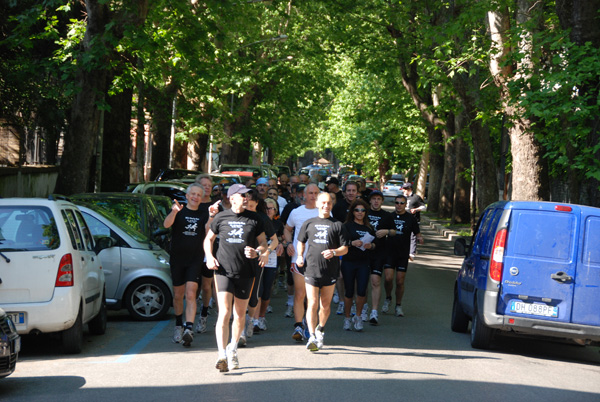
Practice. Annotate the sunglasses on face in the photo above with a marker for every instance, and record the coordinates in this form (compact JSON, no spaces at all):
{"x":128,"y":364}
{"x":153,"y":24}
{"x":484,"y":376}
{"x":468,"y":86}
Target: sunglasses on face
{"x":400,"y":202}
{"x":360,"y":210}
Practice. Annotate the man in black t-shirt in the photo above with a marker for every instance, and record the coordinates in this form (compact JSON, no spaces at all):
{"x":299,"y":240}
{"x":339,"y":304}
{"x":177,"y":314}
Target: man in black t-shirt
{"x":415,"y":205}
{"x":340,"y":209}
{"x":187,"y":258}
{"x":241,"y":237}
{"x":404,"y":225}
{"x":324,"y":240}
{"x":380,"y":221}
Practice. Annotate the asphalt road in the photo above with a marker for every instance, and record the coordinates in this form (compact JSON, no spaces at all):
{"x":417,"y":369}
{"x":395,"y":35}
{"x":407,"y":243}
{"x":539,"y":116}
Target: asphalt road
{"x":416,"y":357}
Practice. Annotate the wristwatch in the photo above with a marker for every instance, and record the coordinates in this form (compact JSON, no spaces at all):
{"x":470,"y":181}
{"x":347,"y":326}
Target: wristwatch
{"x":333,"y":253}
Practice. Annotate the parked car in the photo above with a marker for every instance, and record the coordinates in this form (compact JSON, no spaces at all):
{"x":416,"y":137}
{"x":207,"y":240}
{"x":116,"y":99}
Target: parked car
{"x":532,"y":268}
{"x":254,"y":171}
{"x":175,"y":174}
{"x":392,"y":188}
{"x":144,"y":213}
{"x":175,"y":190}
{"x":10,"y":345}
{"x":137,"y":272}
{"x":372,"y":185}
{"x":284,"y":169}
{"x":52,"y":277}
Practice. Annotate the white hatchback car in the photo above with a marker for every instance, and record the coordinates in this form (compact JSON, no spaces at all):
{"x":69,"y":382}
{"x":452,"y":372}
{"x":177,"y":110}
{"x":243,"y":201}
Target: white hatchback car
{"x":51,"y":278}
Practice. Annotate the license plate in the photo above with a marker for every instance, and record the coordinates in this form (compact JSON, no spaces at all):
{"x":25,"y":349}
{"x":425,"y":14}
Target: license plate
{"x":533,"y":309}
{"x":17,"y":318}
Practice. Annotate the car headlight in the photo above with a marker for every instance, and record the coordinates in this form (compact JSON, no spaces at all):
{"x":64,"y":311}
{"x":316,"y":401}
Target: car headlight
{"x":161,"y":258}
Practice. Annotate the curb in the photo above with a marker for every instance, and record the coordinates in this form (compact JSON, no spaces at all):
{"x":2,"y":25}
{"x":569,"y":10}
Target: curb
{"x":439,"y":228}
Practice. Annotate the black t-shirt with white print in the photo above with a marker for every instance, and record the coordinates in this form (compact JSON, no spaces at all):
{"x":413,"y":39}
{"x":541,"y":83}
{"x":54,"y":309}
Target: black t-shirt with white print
{"x":320,"y":234}
{"x":379,"y":220}
{"x":404,"y":225}
{"x":236,"y":231}
{"x":187,"y":236}
{"x":356,"y":231}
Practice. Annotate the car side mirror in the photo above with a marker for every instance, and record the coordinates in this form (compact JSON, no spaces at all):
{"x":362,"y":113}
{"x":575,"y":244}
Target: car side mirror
{"x":461,"y":248}
{"x":104,"y":242}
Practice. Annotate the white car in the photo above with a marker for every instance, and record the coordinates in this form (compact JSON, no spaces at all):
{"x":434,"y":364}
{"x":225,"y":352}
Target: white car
{"x":51,"y":278}
{"x":392,"y":188}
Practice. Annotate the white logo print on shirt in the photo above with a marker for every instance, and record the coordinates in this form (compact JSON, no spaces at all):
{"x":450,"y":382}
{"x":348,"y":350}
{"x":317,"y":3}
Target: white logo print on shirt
{"x":321,"y":235}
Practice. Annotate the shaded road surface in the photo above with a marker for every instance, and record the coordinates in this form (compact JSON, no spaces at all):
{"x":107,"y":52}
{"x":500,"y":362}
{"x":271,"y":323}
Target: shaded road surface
{"x":412,"y":358}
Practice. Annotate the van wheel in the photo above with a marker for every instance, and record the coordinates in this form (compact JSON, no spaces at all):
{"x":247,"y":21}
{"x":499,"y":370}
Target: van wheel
{"x":97,"y":325}
{"x":148,"y":299}
{"x":459,"y":321}
{"x":481,"y":334}
{"x":72,"y":338}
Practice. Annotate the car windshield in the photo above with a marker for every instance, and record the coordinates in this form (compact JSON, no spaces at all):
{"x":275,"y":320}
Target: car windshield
{"x":394,"y":183}
{"x":115,"y":221}
{"x":128,"y":210}
{"x":27,"y":228}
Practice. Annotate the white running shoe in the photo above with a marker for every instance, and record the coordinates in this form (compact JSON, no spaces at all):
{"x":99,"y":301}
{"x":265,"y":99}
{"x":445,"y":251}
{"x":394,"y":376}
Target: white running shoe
{"x":262,"y":323}
{"x":386,"y":306}
{"x":399,"y":312}
{"x":374,"y":320}
{"x":353,"y":310}
{"x":347,"y":324}
{"x":178,"y":334}
{"x":201,"y":325}
{"x":187,"y":338}
{"x":320,"y":337}
{"x":365,"y":312}
{"x":340,"y":309}
{"x":358,"y":323}
{"x":336,"y":298}
{"x":269,"y":309}
{"x":232,"y":357}
{"x":289,"y":312}
{"x":312,"y":344}
{"x":243,"y":341}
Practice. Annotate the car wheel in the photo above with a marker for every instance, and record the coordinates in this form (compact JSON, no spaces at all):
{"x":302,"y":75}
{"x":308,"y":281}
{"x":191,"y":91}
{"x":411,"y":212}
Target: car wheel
{"x":459,"y":321}
{"x":481,"y":334}
{"x":148,"y":299}
{"x":97,"y":325}
{"x":72,"y":338}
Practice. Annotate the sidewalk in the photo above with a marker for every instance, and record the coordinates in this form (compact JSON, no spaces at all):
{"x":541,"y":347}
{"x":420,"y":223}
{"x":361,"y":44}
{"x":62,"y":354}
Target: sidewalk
{"x":439,"y":225}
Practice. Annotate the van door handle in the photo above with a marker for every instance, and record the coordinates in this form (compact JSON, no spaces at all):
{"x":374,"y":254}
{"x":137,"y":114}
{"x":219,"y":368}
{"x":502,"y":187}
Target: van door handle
{"x":560,"y":276}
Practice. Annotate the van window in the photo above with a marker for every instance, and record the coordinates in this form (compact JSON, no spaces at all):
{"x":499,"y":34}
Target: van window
{"x":591,"y":251}
{"x":73,"y":229}
{"x":543,"y":234}
{"x":491,"y":232}
{"x":483,"y":229}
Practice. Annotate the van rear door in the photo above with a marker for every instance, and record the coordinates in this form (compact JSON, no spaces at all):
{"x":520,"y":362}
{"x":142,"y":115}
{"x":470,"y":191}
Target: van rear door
{"x":539,"y":263}
{"x":587,"y":282}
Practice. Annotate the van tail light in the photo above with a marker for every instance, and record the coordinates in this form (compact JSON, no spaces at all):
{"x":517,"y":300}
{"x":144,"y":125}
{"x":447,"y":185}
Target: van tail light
{"x":64,"y":277}
{"x":497,"y":262}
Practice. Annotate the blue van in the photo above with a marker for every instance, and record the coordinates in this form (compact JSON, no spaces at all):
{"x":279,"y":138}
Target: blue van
{"x":531,"y":268}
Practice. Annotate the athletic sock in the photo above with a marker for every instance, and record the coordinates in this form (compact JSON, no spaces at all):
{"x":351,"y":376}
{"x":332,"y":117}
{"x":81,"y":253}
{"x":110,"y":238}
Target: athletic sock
{"x":290,"y":301}
{"x":298,"y":324}
{"x":189,"y":325}
{"x":204,"y":311}
{"x":179,"y":320}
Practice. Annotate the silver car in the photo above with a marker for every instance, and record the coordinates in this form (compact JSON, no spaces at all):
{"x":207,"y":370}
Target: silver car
{"x":392,"y":188}
{"x":137,"y":270}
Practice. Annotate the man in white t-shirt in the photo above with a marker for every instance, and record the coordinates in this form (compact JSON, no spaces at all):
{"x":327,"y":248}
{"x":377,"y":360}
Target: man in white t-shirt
{"x":297,"y":217}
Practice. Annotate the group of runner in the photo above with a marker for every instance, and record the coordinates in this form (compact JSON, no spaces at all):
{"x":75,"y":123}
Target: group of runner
{"x":338,"y":240}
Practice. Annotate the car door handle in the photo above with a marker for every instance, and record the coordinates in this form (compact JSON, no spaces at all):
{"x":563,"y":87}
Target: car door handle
{"x":561,"y":277}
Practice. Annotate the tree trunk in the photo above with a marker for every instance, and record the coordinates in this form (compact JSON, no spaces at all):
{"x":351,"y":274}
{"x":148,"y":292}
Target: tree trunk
{"x":74,"y":173}
{"x":117,"y":142}
{"x":529,"y":175}
{"x":436,"y":168}
{"x":449,"y":172}
{"x":462,"y":188}
{"x":486,"y":179}
{"x":422,"y":177}
{"x":161,"y":103}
